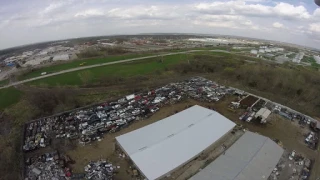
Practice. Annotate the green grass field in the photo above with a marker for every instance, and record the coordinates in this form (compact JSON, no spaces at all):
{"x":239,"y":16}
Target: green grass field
{"x":225,"y":54}
{"x":92,"y":61}
{"x":308,"y":59}
{"x":123,"y":70}
{"x":291,"y":55}
{"x":75,"y":64}
{"x":9,"y":96}
{"x":4,"y":82}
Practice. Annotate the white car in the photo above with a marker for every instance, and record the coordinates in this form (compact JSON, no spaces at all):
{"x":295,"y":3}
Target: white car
{"x":291,"y":156}
{"x":249,"y":119}
{"x":42,"y":144}
{"x":309,"y":121}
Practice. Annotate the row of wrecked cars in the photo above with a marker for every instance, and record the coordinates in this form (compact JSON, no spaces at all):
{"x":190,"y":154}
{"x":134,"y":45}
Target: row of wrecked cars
{"x":89,"y":124}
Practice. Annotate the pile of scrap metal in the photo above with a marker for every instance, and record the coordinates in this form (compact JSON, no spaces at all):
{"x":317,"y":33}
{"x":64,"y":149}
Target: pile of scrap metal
{"x":203,"y":90}
{"x":101,"y":170}
{"x":48,"y":166}
{"x":35,"y":135}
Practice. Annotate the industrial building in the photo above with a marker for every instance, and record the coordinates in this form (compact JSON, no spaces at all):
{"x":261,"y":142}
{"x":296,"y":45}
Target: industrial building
{"x":251,"y":157}
{"x":61,"y":57}
{"x":253,"y":51}
{"x":162,"y":147}
{"x":263,"y":113}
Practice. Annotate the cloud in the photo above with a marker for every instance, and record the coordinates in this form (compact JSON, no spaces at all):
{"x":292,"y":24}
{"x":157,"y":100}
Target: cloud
{"x":282,"y":10}
{"x":89,"y":13}
{"x":278,"y":25}
{"x":145,"y":12}
{"x":73,"y":18}
{"x":314,"y":27}
{"x":55,"y":7}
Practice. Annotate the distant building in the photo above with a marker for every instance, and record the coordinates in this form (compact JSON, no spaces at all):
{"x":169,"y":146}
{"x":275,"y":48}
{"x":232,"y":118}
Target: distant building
{"x":253,"y":51}
{"x":27,"y":53}
{"x":317,"y":58}
{"x":61,"y":57}
{"x":262,"y":51}
{"x":37,"y":61}
{"x":41,"y":53}
{"x":108,"y":44}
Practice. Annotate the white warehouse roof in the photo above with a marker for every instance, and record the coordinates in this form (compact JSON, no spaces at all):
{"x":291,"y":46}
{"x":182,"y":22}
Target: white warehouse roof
{"x":62,"y":57}
{"x":159,"y":148}
{"x":251,"y":157}
{"x":264,"y":113}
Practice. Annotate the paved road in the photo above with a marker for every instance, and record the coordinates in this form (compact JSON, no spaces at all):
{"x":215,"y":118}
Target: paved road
{"x":103,"y":64}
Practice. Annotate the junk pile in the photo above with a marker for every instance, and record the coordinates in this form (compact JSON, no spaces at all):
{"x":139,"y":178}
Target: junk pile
{"x":49,"y":166}
{"x":101,"y":170}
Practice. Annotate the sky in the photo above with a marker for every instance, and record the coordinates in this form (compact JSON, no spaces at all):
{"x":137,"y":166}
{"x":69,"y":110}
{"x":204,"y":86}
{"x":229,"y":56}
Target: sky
{"x":24,"y":22}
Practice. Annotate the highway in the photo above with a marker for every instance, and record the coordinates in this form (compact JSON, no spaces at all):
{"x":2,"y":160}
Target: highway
{"x":103,"y":64}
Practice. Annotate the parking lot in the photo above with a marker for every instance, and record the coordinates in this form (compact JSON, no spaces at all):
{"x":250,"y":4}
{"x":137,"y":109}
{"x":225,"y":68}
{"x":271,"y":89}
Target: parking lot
{"x":87,"y":134}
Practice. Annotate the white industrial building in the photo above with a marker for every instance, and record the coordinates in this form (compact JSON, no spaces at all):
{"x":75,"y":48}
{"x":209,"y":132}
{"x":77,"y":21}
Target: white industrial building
{"x":160,"y":148}
{"x":262,"y":51}
{"x":253,"y":51}
{"x":263,"y":113}
{"x":61,"y":57}
{"x":252,"y":157}
{"x":317,"y":58}
{"x":37,"y":61}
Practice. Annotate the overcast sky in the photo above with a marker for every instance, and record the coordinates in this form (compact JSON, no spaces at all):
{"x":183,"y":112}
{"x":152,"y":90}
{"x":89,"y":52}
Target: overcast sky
{"x":29,"y":21}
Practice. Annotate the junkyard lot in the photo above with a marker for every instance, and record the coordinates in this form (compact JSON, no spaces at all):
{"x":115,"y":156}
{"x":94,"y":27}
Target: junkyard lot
{"x":289,"y":134}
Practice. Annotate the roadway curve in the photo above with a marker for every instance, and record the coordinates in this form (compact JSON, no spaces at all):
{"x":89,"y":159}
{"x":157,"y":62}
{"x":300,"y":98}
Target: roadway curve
{"x":103,"y":64}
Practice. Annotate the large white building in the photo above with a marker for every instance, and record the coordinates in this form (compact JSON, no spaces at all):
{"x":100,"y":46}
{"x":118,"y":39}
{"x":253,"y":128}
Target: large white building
{"x":253,"y":51}
{"x":252,"y":157}
{"x":37,"y":61}
{"x":61,"y":57}
{"x":160,"y":148}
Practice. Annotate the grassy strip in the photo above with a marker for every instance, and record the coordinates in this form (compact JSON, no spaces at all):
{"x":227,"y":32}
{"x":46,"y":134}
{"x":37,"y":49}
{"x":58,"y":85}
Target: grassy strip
{"x":93,"y":61}
{"x":308,"y":59}
{"x":75,"y":64}
{"x":9,"y":96}
{"x":311,"y":60}
{"x":93,"y":75}
{"x":291,"y":56}
{"x":4,"y":82}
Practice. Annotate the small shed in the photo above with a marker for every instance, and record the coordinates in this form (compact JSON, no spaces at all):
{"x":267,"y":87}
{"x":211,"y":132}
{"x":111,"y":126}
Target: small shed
{"x":263,"y":113}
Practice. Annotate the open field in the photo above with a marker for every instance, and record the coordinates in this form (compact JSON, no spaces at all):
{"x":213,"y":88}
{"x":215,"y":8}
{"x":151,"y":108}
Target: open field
{"x":220,"y":52}
{"x":9,"y":96}
{"x":308,"y":59}
{"x":291,"y":55}
{"x":122,"y":70}
{"x":91,"y":61}
{"x":93,"y":75}
{"x":76,"y":63}
{"x":4,"y":82}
